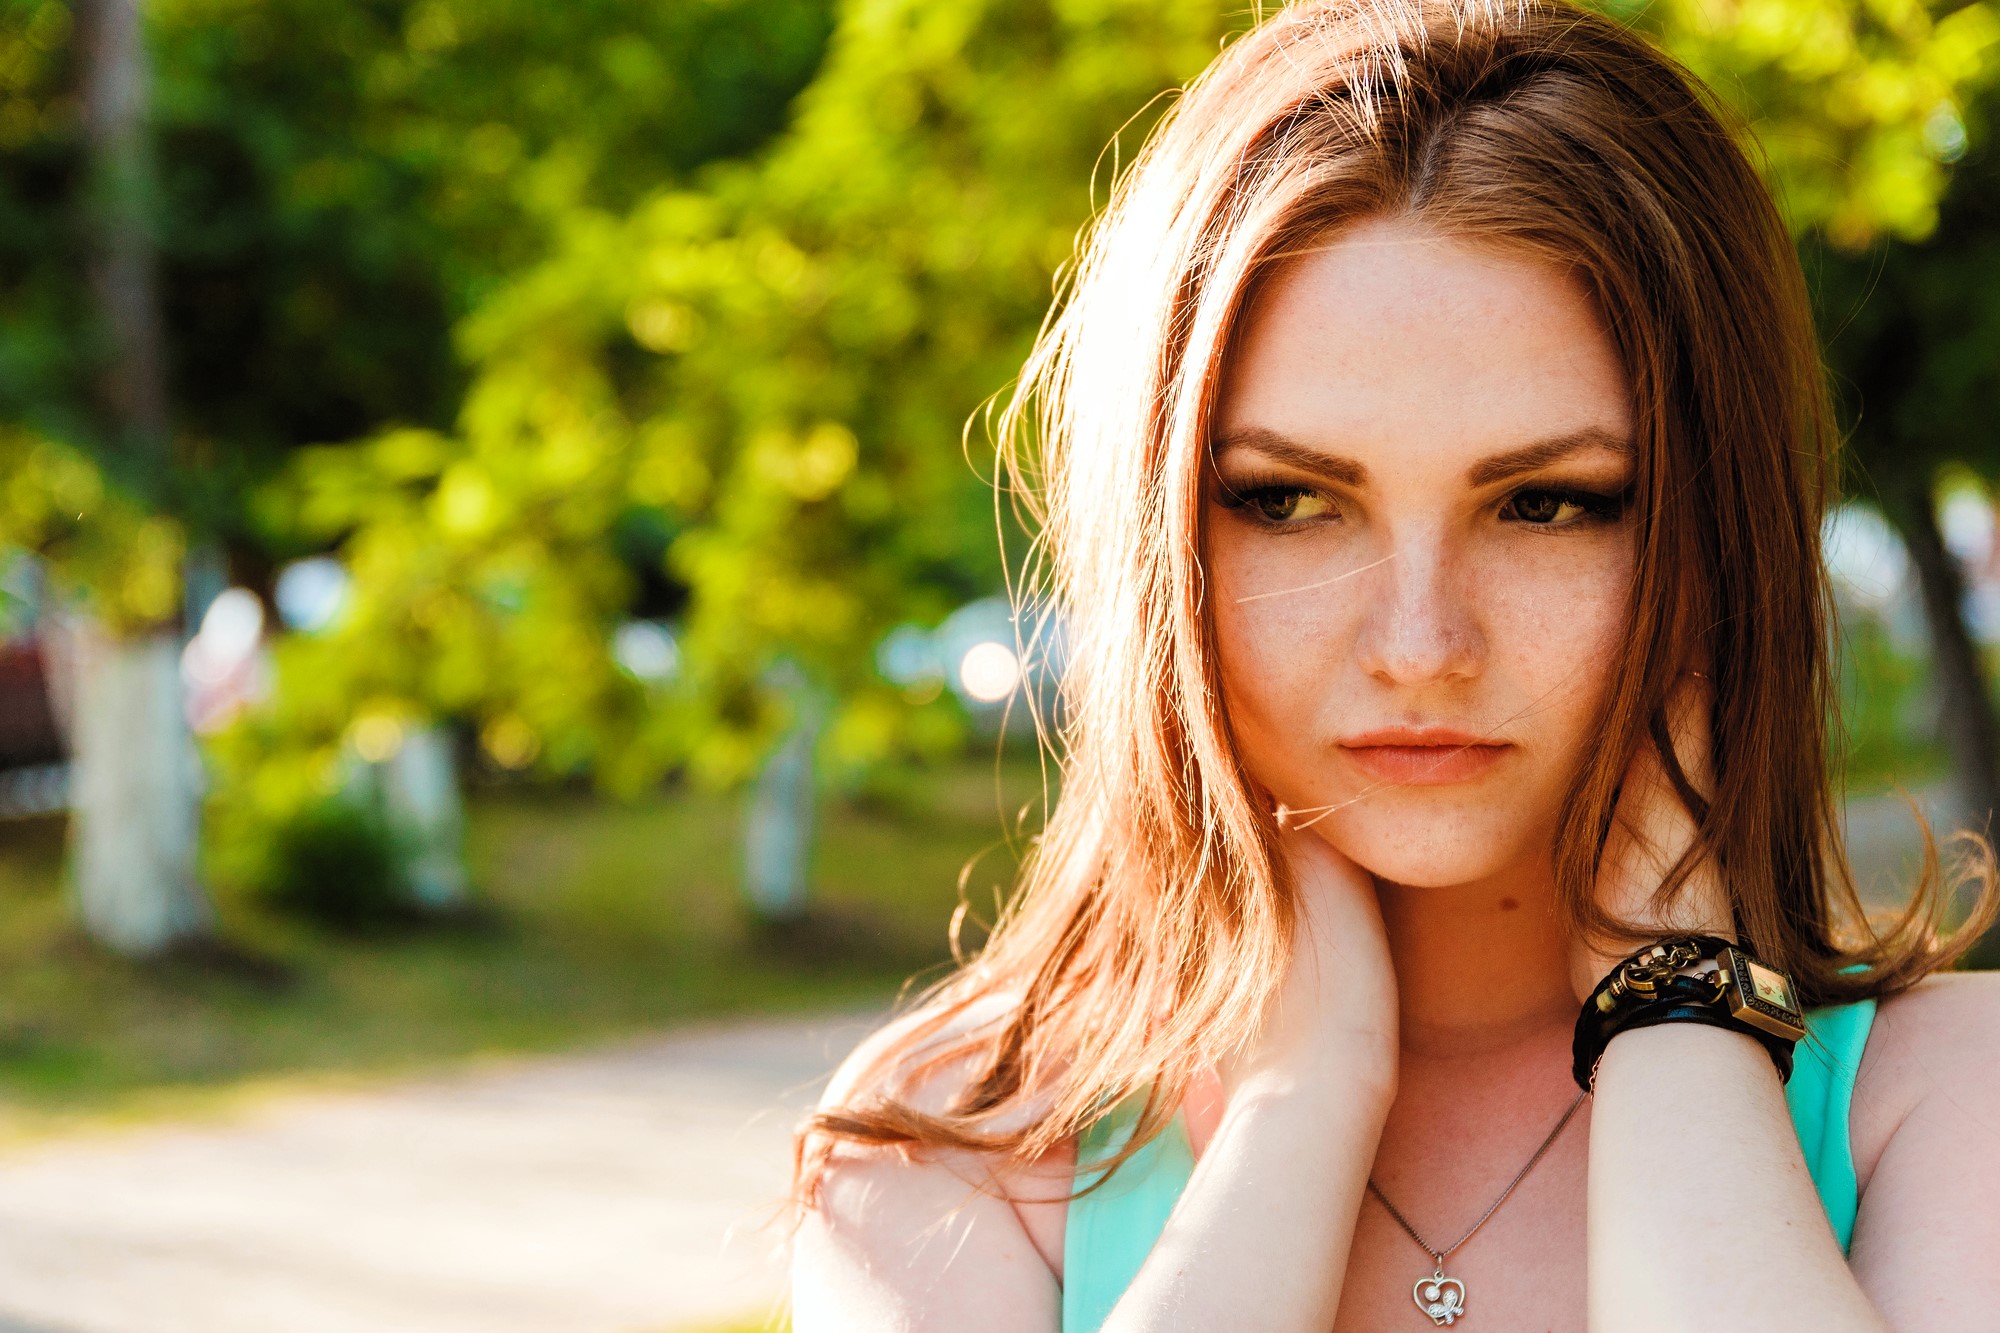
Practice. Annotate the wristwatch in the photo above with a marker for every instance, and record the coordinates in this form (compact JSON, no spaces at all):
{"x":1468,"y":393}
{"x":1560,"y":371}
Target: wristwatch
{"x":1759,"y":995}
{"x":1652,"y":987}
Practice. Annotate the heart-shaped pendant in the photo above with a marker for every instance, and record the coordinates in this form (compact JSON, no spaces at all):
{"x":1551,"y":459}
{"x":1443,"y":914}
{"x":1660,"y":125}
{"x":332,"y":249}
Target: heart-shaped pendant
{"x":1440,"y":1297}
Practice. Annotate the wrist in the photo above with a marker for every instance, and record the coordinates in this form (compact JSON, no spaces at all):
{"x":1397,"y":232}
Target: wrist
{"x":1590,"y":966}
{"x":1667,"y":1051}
{"x":1701,"y":980}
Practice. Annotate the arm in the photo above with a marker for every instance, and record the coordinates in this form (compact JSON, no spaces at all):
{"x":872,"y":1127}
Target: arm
{"x":1927,"y":1236}
{"x":1267,"y":1219}
{"x":1927,"y":1142}
{"x":911,"y":1246}
{"x":911,"y":1243}
{"x":1700,"y":1205}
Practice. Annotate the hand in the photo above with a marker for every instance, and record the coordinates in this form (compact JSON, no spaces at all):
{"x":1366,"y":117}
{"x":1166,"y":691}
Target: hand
{"x":1332,"y":1021}
{"x":1650,"y":829}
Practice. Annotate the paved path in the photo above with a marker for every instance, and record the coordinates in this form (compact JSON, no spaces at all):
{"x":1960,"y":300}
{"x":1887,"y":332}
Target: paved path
{"x":612,"y":1192}
{"x":602,"y":1193}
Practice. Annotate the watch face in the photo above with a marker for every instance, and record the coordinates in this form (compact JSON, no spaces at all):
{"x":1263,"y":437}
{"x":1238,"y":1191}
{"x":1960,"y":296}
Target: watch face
{"x":1769,"y":986}
{"x":1762,"y":997}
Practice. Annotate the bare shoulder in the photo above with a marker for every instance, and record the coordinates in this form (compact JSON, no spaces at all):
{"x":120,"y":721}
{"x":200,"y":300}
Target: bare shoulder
{"x":887,"y":1059}
{"x":1926,"y":1135}
{"x":923,"y":1238}
{"x":1938,"y":1040}
{"x":1941,"y":1031}
{"x":906,"y":1058}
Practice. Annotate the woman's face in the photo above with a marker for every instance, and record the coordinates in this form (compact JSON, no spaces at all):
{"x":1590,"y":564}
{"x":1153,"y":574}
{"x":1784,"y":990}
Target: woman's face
{"x":1417,"y":547}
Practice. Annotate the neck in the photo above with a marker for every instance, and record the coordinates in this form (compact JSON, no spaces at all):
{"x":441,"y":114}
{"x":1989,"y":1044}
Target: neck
{"x":1480,"y":966}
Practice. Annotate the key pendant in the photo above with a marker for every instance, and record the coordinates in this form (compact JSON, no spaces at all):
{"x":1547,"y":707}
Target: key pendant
{"x":1440,"y":1297}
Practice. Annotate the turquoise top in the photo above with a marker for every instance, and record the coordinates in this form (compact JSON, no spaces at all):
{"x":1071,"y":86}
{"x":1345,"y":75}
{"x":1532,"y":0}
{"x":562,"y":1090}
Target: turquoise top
{"x":1110,"y":1231}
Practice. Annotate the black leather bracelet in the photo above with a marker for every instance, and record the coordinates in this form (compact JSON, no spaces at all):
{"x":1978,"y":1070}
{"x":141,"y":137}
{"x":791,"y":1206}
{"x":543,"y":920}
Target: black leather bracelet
{"x":1644,"y":991}
{"x":1699,"y":946}
{"x":1678,"y":1005}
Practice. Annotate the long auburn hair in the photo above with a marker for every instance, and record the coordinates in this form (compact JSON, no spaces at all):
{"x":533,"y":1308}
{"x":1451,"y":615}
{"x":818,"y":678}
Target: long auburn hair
{"x":1151,"y":922}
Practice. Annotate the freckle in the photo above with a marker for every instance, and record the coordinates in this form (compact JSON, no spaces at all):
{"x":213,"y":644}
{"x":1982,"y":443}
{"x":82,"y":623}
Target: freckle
{"x":1508,"y":904}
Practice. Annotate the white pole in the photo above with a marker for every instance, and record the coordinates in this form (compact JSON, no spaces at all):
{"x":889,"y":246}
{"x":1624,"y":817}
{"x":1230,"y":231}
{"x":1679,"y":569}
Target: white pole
{"x":778,"y":821}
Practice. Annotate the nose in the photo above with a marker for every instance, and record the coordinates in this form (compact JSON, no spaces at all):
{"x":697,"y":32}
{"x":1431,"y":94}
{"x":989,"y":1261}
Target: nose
{"x":1420,"y":628}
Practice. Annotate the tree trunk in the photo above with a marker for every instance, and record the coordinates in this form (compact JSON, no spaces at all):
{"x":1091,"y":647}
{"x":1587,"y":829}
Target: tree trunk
{"x":133,"y":793}
{"x":116,"y":94}
{"x":135,"y":809}
{"x":1967,"y":718}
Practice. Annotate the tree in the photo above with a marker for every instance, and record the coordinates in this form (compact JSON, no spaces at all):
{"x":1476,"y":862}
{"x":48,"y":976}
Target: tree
{"x":133,"y":789}
{"x":768,"y":375}
{"x":1855,"y":104}
{"x":336,"y":186}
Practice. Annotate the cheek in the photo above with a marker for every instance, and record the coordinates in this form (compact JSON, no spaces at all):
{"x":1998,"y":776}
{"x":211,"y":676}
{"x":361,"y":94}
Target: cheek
{"x":1282,"y":660}
{"x":1554,"y":629}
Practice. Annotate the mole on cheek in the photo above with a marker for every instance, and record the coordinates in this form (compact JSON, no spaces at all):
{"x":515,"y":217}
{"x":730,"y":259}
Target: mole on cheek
{"x":1508,"y":904}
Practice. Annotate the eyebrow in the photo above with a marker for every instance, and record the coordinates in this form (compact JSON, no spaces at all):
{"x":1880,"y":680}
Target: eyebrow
{"x":1541,"y":453}
{"x":1487,"y":471}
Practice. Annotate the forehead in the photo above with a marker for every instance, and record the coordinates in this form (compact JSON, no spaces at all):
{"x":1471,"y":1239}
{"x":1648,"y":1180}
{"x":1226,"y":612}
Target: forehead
{"x":1390,"y":338}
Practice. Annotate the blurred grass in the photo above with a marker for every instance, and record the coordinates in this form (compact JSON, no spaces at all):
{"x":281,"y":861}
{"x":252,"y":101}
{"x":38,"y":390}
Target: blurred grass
{"x":602,"y":920}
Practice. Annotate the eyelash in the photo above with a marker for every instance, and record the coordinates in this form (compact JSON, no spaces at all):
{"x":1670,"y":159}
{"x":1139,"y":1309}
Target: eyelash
{"x":1597,"y":506}
{"x":1254,"y":488}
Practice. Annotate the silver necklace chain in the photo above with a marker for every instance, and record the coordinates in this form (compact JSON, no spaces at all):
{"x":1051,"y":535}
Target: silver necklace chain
{"x":1519,"y":1176}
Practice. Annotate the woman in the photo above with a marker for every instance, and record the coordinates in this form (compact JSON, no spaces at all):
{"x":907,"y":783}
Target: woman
{"x":1432,"y":450}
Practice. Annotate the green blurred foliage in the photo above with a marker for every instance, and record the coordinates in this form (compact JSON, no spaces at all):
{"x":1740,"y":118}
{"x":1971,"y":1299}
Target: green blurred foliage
{"x":770,"y":374}
{"x":735,"y":394}
{"x":108,"y":554}
{"x":777,"y":366}
{"x":1886,"y":736}
{"x":1859,"y":105}
{"x":337,"y":863}
{"x":1912,"y":335}
{"x":41,"y":250}
{"x":1912,"y":332}
{"x":339,"y":183}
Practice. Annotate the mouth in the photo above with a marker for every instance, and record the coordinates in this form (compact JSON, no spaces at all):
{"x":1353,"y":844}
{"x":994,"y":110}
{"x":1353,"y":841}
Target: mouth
{"x":1423,"y":756}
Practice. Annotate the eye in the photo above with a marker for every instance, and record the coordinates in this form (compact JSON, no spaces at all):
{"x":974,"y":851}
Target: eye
{"x":1559,"y":507}
{"x":1276,"y":504}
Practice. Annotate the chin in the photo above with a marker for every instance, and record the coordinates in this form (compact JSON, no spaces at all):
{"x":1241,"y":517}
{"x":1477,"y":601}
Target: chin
{"x":1421,"y":852}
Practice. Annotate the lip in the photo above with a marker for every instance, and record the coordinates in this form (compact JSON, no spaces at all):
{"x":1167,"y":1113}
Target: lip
{"x":1424,"y":756}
